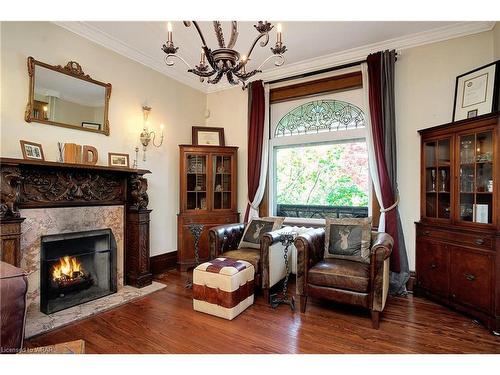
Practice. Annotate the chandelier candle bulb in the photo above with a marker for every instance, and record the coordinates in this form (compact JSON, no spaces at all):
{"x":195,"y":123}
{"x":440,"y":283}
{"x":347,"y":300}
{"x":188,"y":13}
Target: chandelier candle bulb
{"x":169,"y":32}
{"x":278,"y":36}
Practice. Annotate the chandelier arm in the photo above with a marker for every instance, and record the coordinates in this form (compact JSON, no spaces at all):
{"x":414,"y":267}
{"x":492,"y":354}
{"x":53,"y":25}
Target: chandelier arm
{"x":245,"y":76}
{"x":188,"y":23}
{"x":202,"y":74}
{"x":231,"y":79}
{"x":217,"y":78}
{"x":172,"y":63}
{"x":234,"y":34}
{"x":280,"y":61}
{"x":210,"y":60}
{"x":219,"y":34}
{"x":262,"y":43}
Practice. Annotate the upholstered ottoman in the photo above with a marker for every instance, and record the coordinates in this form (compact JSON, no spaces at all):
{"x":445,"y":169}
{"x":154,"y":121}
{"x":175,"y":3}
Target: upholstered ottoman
{"x":223,"y":287}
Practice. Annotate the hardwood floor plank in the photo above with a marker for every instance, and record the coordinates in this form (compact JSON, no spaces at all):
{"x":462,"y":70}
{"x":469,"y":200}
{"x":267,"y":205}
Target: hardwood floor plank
{"x":165,"y":322}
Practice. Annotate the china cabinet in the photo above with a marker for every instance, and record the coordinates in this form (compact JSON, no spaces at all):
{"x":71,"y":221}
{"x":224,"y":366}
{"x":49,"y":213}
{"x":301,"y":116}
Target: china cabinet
{"x":458,"y":235}
{"x":208,"y":181}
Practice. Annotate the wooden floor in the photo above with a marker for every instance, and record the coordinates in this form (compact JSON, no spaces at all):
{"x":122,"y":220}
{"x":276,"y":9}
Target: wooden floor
{"x":164,"y":322}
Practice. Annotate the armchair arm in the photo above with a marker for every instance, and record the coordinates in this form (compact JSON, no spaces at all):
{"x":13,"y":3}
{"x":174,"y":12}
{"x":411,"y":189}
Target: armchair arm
{"x":225,"y":237}
{"x":379,"y":268}
{"x":269,"y":239}
{"x":310,"y":249}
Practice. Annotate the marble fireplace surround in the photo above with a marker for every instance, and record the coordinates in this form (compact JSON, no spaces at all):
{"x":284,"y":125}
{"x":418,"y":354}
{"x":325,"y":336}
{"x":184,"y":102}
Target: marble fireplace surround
{"x":46,"y":221}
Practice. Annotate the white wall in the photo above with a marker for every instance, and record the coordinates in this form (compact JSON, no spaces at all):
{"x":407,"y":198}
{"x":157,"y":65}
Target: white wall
{"x":496,"y":40}
{"x":229,"y":109}
{"x":425,"y":84}
{"x":175,"y":104}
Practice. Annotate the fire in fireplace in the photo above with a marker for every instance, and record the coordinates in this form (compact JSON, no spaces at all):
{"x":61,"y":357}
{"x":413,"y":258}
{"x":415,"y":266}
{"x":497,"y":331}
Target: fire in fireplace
{"x":76,"y":268}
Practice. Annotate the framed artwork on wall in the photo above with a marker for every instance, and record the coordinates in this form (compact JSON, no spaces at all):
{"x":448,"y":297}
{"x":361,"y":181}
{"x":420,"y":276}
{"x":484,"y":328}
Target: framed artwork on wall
{"x":31,"y":150}
{"x":206,"y":136}
{"x":118,"y":160}
{"x":477,"y":92}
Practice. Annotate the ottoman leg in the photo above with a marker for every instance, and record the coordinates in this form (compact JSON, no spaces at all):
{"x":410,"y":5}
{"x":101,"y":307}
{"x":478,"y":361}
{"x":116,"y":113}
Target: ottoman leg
{"x":303,"y":302}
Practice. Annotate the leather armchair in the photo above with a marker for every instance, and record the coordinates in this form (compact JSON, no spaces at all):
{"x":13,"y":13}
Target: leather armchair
{"x":224,"y":241}
{"x":13,"y":288}
{"x":342,"y":280}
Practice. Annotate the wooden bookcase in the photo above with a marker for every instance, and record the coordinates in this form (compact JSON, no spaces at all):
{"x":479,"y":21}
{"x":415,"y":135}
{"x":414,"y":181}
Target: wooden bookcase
{"x":208,"y":196}
{"x":458,"y":235}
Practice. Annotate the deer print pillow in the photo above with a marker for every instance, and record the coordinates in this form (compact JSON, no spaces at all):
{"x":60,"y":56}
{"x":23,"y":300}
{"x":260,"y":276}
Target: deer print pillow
{"x":256,"y":229}
{"x":348,"y":238}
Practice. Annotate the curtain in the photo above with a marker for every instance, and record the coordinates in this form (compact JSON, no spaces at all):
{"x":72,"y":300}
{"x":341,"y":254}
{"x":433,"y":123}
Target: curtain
{"x":378,"y":83}
{"x":258,"y":135}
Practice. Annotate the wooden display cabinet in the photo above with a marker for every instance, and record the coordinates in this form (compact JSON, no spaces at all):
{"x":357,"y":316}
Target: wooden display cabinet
{"x":458,"y":235}
{"x":208,"y":196}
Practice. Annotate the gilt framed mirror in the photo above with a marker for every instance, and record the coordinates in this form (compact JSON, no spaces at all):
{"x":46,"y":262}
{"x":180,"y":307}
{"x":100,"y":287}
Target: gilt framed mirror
{"x":66,"y":96}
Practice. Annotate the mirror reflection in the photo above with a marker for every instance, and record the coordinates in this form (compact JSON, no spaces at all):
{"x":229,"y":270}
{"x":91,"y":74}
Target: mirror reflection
{"x":68,"y":100}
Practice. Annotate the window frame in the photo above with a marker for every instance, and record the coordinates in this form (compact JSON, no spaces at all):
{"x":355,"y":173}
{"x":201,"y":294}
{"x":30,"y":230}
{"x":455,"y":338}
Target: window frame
{"x":329,"y":137}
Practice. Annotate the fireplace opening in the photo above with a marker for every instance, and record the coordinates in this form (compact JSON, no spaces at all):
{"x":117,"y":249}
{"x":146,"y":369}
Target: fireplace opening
{"x":76,"y":268}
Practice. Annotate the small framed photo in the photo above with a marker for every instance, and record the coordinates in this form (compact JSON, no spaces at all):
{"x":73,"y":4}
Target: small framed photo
{"x":91,"y":125}
{"x":206,"y":136}
{"x":31,"y":150}
{"x":118,"y":160}
{"x":472,"y":113}
{"x":477,"y":92}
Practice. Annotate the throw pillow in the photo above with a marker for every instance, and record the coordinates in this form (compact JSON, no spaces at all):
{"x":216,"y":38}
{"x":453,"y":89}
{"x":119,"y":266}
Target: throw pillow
{"x":348,"y":238}
{"x":256,"y":229}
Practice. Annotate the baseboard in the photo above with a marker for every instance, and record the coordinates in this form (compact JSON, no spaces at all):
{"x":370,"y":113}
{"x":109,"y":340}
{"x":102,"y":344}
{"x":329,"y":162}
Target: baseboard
{"x":163,"y":262}
{"x":411,"y":281}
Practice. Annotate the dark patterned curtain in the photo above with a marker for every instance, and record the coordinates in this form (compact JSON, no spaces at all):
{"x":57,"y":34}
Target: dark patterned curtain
{"x":381,"y":67}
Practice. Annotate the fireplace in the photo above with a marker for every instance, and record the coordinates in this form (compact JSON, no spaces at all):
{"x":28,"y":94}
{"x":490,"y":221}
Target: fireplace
{"x":76,"y":268}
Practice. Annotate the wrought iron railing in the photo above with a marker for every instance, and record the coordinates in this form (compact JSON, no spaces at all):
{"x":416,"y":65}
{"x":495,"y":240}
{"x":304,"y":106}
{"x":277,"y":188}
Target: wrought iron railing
{"x":320,"y":212}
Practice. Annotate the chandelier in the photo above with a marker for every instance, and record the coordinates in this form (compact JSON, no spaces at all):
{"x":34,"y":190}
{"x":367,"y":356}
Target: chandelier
{"x":226,"y":61}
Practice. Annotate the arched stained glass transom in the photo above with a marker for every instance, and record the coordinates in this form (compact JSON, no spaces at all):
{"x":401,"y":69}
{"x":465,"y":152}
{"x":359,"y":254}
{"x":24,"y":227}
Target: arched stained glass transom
{"x":320,"y":116}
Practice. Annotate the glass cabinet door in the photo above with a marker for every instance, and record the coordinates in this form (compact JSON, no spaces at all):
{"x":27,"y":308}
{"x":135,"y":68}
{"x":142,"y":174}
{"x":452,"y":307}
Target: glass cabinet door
{"x":196,"y":169}
{"x":437,"y":178}
{"x":476,"y":177}
{"x":222,"y":186}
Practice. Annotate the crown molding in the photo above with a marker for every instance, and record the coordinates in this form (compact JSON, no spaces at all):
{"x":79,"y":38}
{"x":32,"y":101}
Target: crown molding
{"x":457,"y":30}
{"x":86,"y":30}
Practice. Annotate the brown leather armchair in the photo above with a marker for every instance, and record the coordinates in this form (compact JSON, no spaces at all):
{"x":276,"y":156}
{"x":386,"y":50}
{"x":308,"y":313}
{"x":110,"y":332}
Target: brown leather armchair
{"x":13,"y":288}
{"x":224,"y":241}
{"x":342,"y":280}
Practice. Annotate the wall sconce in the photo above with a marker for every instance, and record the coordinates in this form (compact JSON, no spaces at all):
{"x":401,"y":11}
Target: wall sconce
{"x":149,"y":136}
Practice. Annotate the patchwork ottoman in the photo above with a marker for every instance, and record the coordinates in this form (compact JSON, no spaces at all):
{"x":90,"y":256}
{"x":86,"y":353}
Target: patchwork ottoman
{"x":223,"y":287}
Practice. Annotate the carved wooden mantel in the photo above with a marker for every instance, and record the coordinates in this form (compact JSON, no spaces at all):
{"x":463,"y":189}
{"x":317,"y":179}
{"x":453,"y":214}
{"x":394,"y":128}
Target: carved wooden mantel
{"x":42,"y":184}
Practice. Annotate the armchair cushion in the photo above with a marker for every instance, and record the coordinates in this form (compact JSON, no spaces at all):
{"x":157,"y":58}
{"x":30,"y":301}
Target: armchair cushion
{"x":348,"y":238}
{"x":341,"y":274}
{"x":256,"y":229}
{"x":252,"y":256}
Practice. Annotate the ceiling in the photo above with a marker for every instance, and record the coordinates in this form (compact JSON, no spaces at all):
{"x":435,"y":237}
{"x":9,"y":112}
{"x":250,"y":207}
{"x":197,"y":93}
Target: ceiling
{"x":311,"y":45}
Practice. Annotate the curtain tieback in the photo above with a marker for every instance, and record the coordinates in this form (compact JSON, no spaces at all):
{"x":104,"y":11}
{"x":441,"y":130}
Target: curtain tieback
{"x":384,"y":210}
{"x":252,"y":205}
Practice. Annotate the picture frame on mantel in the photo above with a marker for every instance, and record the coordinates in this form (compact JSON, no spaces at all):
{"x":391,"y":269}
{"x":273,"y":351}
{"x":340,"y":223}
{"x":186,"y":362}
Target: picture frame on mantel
{"x":207,"y":136}
{"x":32,"y":150}
{"x":477,"y":92}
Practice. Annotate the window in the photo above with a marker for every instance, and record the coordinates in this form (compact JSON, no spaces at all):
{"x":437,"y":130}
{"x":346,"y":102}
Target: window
{"x":319,"y":157}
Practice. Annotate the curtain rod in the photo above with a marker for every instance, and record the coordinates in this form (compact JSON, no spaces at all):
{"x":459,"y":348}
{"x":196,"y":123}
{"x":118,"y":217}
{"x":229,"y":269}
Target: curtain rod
{"x":321,"y":71}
